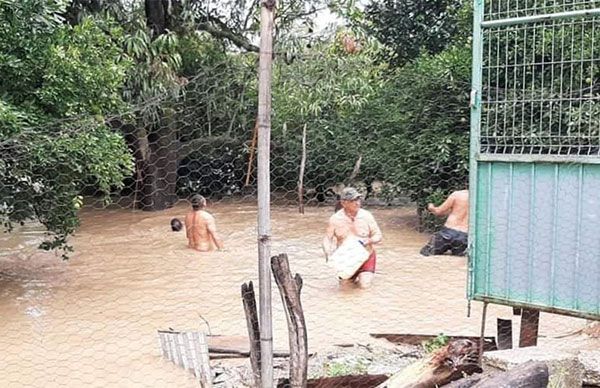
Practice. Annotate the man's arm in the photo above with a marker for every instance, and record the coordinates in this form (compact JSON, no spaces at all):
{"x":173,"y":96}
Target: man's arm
{"x":188,"y":227}
{"x":444,"y":208}
{"x":329,"y":241}
{"x":375,"y":236}
{"x":211,"y":225}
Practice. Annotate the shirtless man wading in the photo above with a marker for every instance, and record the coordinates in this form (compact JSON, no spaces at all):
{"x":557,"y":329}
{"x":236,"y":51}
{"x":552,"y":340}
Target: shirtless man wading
{"x":453,"y":235}
{"x":351,"y":220}
{"x":200,"y":227}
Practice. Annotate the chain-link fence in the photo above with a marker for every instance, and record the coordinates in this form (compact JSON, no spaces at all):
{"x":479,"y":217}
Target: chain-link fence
{"x":152,"y":282}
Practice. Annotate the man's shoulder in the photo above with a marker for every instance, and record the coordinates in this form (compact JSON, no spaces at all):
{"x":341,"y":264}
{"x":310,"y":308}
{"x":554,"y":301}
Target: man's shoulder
{"x":337,"y":215}
{"x":206,"y":215}
{"x":460,"y":194}
{"x":364,"y":213}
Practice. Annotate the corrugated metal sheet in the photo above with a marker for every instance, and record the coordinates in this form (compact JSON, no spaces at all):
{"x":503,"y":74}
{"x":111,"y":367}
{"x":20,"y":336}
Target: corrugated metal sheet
{"x":537,"y":235}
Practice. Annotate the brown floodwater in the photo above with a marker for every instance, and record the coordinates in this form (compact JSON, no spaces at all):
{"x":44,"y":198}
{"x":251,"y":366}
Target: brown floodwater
{"x":92,"y":320}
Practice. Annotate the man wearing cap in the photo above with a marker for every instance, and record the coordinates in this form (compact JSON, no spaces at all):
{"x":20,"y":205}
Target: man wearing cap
{"x":200,"y":227}
{"x":351,"y":220}
{"x":453,"y":235}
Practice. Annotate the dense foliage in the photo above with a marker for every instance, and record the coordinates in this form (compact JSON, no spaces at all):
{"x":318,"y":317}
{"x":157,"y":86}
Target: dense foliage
{"x":51,"y":74}
{"x":410,"y":28}
{"x":178,"y":87}
{"x":409,"y":125}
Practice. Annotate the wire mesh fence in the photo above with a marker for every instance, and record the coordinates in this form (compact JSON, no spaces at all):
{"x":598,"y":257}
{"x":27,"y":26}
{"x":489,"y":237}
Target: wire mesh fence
{"x":498,"y":10}
{"x":137,"y":279}
{"x":536,"y":158}
{"x":540,"y":91}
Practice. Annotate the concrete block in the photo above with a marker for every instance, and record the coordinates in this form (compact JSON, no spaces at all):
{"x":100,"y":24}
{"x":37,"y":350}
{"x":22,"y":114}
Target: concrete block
{"x":565,"y":368}
{"x":590,"y":360}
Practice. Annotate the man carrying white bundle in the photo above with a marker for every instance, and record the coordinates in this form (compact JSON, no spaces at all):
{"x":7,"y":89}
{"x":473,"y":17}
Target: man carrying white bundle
{"x":349,"y":225}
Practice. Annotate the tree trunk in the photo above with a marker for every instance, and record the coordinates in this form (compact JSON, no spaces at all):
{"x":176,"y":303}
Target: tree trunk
{"x":156,"y":15}
{"x":160,"y":170}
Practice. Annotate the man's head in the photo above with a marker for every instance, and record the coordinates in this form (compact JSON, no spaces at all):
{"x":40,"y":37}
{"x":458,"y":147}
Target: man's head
{"x":176,"y":225}
{"x":198,"y":202}
{"x":350,"y":199}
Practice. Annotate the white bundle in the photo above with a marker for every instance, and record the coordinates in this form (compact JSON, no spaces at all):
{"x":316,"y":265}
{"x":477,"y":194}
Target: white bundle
{"x":348,"y":258}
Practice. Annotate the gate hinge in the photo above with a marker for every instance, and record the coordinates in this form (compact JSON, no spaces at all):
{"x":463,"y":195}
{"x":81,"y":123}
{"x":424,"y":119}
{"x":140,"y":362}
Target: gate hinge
{"x":473,"y":99}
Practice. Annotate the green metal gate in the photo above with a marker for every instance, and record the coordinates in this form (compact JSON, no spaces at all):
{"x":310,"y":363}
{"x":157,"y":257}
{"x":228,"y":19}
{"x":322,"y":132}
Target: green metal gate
{"x":535,"y":155}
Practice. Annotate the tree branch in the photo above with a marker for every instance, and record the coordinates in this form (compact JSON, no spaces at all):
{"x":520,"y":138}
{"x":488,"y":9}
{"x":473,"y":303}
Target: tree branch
{"x":228,"y":34}
{"x":250,"y":13}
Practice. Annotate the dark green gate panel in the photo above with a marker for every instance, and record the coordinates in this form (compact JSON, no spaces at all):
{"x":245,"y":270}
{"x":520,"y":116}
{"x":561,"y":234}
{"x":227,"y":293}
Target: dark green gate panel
{"x":537,"y":235}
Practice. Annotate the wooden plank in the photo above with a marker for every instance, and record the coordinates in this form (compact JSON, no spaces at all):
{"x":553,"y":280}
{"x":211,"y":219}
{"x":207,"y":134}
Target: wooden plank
{"x":234,"y":342}
{"x":353,"y":381}
{"x":504,"y":330}
{"x":241,"y":353}
{"x":301,"y":174}
{"x":489,"y":343}
{"x":530,"y":320}
{"x":252,"y":151}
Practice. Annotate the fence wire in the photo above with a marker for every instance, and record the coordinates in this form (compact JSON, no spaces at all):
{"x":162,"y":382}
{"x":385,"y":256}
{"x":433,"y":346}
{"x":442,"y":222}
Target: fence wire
{"x":504,"y":9}
{"x":126,"y":306}
{"x":541,"y":89}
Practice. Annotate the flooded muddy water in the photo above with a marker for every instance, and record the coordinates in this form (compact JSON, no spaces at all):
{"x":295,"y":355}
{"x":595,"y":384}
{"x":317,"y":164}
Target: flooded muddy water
{"x":92,"y":320}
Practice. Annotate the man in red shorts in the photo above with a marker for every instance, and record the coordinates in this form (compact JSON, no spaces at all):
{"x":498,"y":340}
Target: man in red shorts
{"x":351,"y":220}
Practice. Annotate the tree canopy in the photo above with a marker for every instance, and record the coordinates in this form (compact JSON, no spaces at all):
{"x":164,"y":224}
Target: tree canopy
{"x":118,"y":95}
{"x":56,"y":82}
{"x":410,"y":28}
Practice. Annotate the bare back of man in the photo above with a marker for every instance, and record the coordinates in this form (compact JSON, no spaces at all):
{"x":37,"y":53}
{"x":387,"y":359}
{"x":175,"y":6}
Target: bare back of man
{"x":201,"y":230}
{"x":458,"y":217}
{"x":453,"y":236}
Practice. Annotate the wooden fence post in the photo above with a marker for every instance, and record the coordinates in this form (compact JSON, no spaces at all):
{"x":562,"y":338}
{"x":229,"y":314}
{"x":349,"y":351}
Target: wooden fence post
{"x":249,"y":301}
{"x":290,"y":288}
